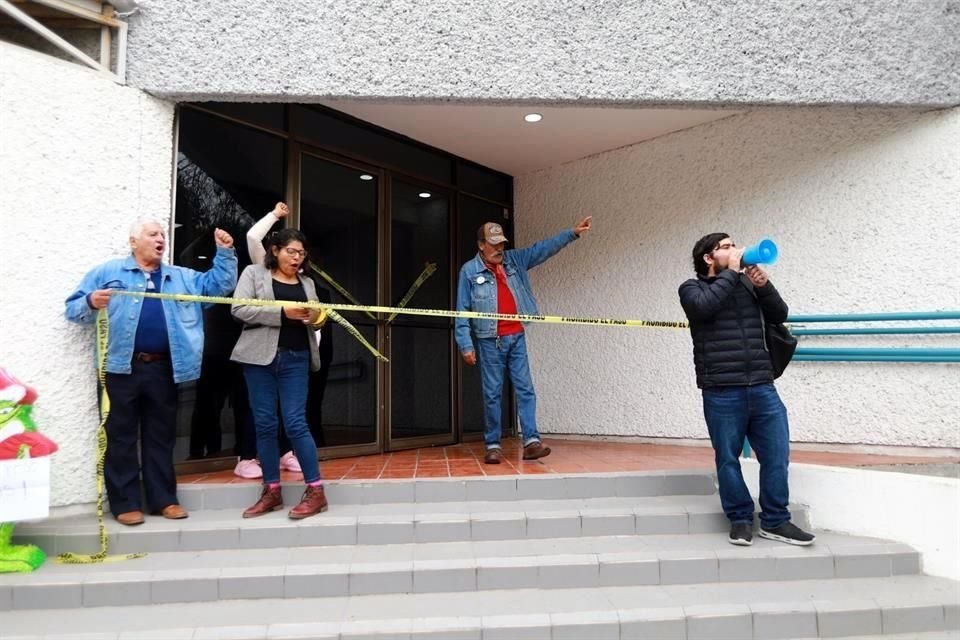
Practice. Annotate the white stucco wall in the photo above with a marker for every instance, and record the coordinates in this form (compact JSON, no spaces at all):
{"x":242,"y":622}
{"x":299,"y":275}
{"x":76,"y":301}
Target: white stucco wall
{"x":865,"y":207}
{"x":918,"y":510}
{"x":631,"y":52}
{"x":80,"y":159}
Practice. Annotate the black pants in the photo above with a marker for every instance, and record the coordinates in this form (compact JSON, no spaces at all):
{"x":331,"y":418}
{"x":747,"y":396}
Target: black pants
{"x":142,"y":404}
{"x":221,"y":379}
{"x":317,"y":385}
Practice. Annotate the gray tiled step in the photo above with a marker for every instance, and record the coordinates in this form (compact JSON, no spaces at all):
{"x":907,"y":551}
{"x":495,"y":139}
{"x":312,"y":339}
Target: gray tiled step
{"x":756,"y":610}
{"x":449,"y":567}
{"x":377,"y":524}
{"x":535,"y":487}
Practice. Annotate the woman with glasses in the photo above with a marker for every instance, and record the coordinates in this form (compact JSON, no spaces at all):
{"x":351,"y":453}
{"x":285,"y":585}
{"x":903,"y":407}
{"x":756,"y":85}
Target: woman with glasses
{"x":278,"y":350}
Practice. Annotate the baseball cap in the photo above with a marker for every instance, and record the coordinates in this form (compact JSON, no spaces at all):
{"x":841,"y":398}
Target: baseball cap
{"x":493,"y":233}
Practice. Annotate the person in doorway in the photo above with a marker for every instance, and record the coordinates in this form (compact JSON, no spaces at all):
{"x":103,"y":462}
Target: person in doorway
{"x":727,"y":307}
{"x":278,"y":349}
{"x":153,"y":345}
{"x":496,"y":281}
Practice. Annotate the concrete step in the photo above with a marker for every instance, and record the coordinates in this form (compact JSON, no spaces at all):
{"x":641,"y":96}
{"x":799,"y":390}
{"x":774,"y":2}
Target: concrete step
{"x":750,"y":610}
{"x":242,"y":494}
{"x":449,"y":567}
{"x":393,"y":523}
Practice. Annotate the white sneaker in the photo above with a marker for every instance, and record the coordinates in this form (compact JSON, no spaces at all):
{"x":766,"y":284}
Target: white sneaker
{"x":289,"y":462}
{"x":249,"y":469}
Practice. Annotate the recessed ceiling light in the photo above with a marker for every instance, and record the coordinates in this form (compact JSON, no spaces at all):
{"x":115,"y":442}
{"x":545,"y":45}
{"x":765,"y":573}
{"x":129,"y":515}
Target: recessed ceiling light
{"x":366,"y":176}
{"x":425,"y":194}
{"x":201,"y":257}
{"x":533,"y":117}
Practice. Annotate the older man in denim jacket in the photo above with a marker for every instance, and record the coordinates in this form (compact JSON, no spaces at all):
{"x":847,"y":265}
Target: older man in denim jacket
{"x":154,"y":344}
{"x":496,"y":281}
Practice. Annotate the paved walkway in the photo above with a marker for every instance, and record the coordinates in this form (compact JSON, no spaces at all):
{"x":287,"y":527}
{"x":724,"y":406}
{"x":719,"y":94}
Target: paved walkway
{"x":569,"y":456}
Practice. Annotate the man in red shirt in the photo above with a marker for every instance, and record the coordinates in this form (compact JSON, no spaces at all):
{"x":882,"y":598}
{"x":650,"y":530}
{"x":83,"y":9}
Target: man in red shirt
{"x":496,"y":281}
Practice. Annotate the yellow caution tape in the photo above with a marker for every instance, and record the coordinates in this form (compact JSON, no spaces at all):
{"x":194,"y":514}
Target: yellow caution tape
{"x":412,"y":291}
{"x":443,"y":313}
{"x":103,"y":334}
{"x":336,"y":285}
{"x":352,"y":330}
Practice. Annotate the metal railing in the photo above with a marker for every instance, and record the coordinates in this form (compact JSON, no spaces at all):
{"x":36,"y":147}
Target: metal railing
{"x":875,"y":354}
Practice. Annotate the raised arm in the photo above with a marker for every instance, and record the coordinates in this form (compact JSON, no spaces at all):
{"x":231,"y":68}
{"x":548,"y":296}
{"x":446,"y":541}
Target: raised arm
{"x":539,"y":252}
{"x":701,"y":302}
{"x":221,"y":278}
{"x":259,"y":231}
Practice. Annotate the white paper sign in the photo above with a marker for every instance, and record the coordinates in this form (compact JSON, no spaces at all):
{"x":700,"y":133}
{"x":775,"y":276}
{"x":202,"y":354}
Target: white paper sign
{"x":24,"y":489}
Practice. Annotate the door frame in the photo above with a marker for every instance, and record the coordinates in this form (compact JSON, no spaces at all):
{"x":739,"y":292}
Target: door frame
{"x":295,"y":152}
{"x":385,"y":442}
{"x":453,"y":436}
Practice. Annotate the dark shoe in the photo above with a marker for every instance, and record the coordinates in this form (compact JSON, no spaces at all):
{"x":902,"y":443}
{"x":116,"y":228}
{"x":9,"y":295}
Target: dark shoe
{"x":270,"y":500}
{"x":312,"y":503}
{"x":174,"y":512}
{"x":535,"y":451}
{"x":789,"y":533}
{"x":741,"y":534}
{"x":130,"y":518}
{"x":494,"y":456}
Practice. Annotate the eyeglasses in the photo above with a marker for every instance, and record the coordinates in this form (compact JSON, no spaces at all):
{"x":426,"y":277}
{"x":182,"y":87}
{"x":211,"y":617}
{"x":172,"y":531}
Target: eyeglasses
{"x":295,"y":252}
{"x":728,"y":245}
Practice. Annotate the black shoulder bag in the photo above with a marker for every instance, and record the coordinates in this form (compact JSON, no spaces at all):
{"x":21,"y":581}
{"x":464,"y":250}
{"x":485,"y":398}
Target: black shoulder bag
{"x":779,"y":341}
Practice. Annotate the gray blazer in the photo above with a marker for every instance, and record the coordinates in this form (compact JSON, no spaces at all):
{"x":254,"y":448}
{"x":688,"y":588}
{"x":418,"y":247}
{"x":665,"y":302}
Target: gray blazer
{"x":261,"y":325}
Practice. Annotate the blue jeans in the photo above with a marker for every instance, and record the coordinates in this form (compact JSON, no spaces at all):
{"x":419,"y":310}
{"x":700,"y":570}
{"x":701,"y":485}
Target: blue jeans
{"x":496,"y":355}
{"x":284,"y":380}
{"x":754,"y":412}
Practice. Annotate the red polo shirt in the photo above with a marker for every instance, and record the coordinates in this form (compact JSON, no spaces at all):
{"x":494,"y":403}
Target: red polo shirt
{"x":506,"y":304}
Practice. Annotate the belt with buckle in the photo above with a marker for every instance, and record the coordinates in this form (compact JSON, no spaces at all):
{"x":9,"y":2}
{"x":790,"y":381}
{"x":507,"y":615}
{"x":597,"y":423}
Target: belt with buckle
{"x":151,"y":357}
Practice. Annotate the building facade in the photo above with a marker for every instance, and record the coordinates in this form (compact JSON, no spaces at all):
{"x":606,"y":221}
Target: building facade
{"x":831,"y":127}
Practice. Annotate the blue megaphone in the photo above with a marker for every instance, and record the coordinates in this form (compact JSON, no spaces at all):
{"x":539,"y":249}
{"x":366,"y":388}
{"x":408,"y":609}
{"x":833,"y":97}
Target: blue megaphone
{"x":764,"y":252}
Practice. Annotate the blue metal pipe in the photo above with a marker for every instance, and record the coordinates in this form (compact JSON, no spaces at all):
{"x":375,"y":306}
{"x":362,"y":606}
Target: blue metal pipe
{"x":888,"y":351}
{"x":863,"y":331}
{"x":878,"y":317}
{"x":860,"y":358}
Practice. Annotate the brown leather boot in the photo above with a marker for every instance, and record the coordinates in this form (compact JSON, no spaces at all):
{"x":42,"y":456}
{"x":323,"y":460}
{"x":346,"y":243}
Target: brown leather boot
{"x":494,"y":456}
{"x":270,"y":500}
{"x":312,"y":503}
{"x":130,"y":518}
{"x":535,"y":451}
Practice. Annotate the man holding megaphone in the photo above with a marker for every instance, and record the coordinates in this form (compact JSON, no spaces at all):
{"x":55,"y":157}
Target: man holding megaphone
{"x":727,"y":305}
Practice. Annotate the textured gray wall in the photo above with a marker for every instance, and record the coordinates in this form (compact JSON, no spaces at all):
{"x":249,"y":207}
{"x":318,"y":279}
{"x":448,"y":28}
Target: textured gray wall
{"x":861,"y":203}
{"x":888,"y":52}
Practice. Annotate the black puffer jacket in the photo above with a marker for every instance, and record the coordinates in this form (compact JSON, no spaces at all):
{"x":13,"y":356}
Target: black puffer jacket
{"x":727,"y":330}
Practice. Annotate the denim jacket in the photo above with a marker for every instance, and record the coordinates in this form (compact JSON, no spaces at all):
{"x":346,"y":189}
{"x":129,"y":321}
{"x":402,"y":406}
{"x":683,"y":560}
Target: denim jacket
{"x":184,"y":319}
{"x":477,"y":288}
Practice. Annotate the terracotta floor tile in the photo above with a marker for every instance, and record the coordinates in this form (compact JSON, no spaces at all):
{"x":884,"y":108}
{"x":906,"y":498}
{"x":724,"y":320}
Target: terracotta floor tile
{"x":432,"y":464}
{"x":403,"y":464}
{"x":432,"y":473}
{"x":397,"y":474}
{"x":531,"y":470}
{"x":498,"y":470}
{"x":459,"y":472}
{"x":569,"y":456}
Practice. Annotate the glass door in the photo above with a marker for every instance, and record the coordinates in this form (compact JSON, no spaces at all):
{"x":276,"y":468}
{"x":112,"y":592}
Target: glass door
{"x":420,"y":369}
{"x":339,"y":213}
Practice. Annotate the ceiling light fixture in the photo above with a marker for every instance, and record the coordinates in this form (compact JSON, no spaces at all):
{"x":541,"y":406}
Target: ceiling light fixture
{"x":533,"y":117}
{"x":366,"y":177}
{"x":425,"y":194}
